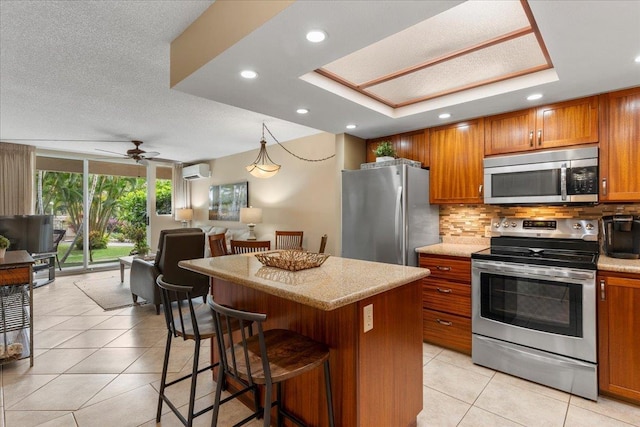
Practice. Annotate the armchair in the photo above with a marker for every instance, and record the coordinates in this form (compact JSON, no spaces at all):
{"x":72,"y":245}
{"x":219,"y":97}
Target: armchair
{"x":173,"y":246}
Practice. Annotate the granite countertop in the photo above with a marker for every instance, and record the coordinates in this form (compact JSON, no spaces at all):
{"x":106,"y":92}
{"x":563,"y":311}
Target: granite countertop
{"x":336,"y":283}
{"x":619,"y":265}
{"x":452,"y":246}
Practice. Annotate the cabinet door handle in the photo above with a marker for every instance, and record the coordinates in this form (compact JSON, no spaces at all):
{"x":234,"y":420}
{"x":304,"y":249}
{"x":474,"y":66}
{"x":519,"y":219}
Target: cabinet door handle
{"x":531,"y":139}
{"x":539,"y":137}
{"x":480,"y":190}
{"x":602,"y":293}
{"x":441,"y":268}
{"x":604,"y":186}
{"x":444,"y":322}
{"x":444,"y":291}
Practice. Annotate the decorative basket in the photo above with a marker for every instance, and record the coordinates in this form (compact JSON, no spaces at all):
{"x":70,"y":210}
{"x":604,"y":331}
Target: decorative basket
{"x":292,"y":260}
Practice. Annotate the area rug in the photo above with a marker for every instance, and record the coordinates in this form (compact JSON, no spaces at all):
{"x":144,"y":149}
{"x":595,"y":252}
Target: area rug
{"x":108,"y":292}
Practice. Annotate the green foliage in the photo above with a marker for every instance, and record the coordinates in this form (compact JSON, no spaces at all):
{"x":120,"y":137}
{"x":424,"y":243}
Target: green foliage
{"x":4,"y":242}
{"x":133,"y":205}
{"x":163,"y":197}
{"x":137,"y":233}
{"x":96,"y":240}
{"x":385,"y":148}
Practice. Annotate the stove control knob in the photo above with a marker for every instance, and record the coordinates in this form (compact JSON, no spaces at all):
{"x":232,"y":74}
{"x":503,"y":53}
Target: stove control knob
{"x":496,"y":225}
{"x":589,"y":226}
{"x":513,"y":224}
{"x":577,"y":226}
{"x":505,"y":225}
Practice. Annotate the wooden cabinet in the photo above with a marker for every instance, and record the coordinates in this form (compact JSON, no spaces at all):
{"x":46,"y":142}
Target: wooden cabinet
{"x":620,"y":146}
{"x":619,"y":343}
{"x":456,"y":153}
{"x":557,"y":125}
{"x":446,"y":301}
{"x":409,"y":145}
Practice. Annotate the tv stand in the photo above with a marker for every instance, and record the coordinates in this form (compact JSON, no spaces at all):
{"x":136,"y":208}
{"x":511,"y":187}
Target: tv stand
{"x":44,"y":262}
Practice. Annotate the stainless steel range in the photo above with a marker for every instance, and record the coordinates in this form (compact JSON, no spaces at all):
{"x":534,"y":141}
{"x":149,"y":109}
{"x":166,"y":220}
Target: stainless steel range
{"x":534,"y":302}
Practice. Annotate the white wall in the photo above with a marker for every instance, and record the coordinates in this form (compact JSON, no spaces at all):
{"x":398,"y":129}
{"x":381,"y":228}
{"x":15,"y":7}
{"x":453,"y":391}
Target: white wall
{"x":302,"y":196}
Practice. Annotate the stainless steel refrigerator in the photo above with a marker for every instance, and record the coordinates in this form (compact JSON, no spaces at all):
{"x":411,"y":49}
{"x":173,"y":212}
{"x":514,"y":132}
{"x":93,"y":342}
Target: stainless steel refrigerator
{"x":386,"y":214}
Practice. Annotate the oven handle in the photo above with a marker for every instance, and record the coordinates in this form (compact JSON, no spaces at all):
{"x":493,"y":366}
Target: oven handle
{"x":563,"y":181}
{"x":526,"y":270}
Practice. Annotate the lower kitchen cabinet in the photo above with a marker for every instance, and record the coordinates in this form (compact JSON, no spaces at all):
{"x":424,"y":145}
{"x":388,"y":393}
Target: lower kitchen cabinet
{"x":446,"y":302}
{"x":619,"y":335}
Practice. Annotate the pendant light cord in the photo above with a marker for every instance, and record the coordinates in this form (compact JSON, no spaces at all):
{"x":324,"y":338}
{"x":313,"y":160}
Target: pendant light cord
{"x":294,"y":155}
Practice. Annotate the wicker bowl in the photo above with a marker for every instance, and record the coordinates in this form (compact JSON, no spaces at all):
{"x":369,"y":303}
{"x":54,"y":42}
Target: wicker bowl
{"x":292,"y":260}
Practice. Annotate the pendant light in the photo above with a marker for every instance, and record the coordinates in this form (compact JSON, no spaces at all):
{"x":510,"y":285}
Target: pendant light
{"x":263,"y":166}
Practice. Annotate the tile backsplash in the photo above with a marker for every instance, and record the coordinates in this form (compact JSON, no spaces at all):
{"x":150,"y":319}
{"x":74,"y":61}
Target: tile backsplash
{"x":471,"y":220}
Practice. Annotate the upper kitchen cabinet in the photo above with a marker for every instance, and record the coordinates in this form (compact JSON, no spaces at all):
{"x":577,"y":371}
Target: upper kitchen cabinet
{"x":456,"y":153}
{"x":409,"y":145}
{"x":556,"y":125}
{"x":620,"y":146}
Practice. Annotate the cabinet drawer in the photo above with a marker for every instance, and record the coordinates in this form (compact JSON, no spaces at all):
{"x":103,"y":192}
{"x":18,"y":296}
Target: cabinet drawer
{"x":445,"y":296}
{"x":447,"y":267}
{"x":447,"y":330}
{"x":14,"y":276}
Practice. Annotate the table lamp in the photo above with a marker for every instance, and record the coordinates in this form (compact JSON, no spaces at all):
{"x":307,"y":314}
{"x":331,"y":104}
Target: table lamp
{"x":251,"y":216}
{"x":184,"y":215}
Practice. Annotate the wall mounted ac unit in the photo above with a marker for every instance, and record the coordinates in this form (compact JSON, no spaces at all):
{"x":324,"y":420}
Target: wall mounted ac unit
{"x":201,"y":170}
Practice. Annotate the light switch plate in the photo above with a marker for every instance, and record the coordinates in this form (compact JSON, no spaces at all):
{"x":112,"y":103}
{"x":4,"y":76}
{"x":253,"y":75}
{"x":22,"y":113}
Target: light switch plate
{"x":368,"y":317}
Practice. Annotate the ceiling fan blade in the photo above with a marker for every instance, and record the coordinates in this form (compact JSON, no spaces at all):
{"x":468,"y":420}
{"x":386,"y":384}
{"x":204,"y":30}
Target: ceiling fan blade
{"x":112,"y":152}
{"x":149,"y":154}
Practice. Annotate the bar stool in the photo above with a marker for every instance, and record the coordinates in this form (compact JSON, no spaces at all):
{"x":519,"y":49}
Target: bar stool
{"x":190,"y":324}
{"x":266,"y":358}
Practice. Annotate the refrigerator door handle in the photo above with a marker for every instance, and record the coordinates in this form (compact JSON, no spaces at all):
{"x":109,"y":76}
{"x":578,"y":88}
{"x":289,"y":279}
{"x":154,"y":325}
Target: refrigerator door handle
{"x":399,"y":225}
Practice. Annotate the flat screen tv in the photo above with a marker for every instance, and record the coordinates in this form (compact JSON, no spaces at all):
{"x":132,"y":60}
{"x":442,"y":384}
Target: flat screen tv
{"x":32,"y":233}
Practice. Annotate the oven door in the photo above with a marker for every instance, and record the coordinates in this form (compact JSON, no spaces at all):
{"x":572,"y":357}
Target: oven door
{"x":548,"y":308}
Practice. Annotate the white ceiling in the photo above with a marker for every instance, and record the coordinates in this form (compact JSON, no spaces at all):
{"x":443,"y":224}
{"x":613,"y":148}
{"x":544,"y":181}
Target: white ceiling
{"x":99,"y":71}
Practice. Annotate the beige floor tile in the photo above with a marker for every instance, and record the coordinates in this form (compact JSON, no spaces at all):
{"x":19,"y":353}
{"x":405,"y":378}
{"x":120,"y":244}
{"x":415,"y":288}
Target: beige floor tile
{"x":531,"y":386}
{"x":70,"y":309}
{"x":463,"y":361}
{"x":57,"y":361}
{"x":67,"y":392}
{"x":118,"y":322}
{"x":122,"y":384}
{"x":139,"y":338}
{"x":579,"y":417}
{"x":151,"y":361}
{"x":51,"y":338}
{"x":107,"y":361}
{"x":477,"y":417}
{"x":63,"y":421}
{"x":130,"y":409}
{"x":522,"y":406}
{"x":80,"y":323}
{"x":612,"y":408}
{"x":17,"y":387}
{"x":453,"y":380}
{"x":92,"y":338}
{"x":31,"y":418}
{"x":440,"y":409}
{"x":41,"y":323}
{"x":152,"y":322}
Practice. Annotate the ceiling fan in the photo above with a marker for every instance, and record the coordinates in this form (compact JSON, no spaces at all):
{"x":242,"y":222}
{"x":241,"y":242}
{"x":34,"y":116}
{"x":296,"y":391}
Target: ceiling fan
{"x":139,"y":155}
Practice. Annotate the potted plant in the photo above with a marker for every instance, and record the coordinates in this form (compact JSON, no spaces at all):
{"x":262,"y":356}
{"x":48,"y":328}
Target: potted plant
{"x":4,"y":244}
{"x":384,"y":151}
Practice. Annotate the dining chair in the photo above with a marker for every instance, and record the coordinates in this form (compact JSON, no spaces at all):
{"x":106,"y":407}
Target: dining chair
{"x":248,"y":246}
{"x":289,"y":239}
{"x":218,"y":244}
{"x":323,"y":243}
{"x":58,"y":235}
{"x":258,"y":357}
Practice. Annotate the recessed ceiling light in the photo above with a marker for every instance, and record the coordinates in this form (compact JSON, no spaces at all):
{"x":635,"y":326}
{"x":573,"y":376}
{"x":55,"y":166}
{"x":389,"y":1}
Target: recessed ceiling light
{"x":316,"y":36}
{"x":248,"y":74}
{"x":534,"y":97}
{"x":444,"y":116}
{"x":637,"y":59}
{"x":351,"y":126}
{"x":302,"y":111}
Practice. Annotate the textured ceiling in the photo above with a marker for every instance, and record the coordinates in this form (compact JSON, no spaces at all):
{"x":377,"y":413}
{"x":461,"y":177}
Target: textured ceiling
{"x":88,"y":70}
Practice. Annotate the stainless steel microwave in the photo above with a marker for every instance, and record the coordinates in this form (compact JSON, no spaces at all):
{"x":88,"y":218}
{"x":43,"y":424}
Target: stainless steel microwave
{"x":550,"y":177}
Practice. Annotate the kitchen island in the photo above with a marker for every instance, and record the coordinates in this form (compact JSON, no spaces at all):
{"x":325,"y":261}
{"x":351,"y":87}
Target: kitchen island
{"x":376,"y":375}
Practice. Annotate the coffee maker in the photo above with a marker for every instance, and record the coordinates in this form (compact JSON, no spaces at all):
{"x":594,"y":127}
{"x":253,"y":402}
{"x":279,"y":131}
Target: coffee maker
{"x":621,"y":234}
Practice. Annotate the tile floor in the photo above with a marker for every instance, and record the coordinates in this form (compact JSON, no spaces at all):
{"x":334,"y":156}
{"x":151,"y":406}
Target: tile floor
{"x":102,"y":368}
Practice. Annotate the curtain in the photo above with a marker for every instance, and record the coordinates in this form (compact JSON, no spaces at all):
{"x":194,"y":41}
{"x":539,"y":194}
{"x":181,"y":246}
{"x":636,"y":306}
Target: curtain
{"x":17,"y":177}
{"x":181,"y":190}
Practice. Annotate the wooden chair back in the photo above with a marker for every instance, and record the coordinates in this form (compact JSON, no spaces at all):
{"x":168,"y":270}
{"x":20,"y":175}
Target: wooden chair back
{"x":289,"y":239}
{"x":248,"y":246}
{"x":218,"y":244}
{"x":323,"y":243}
